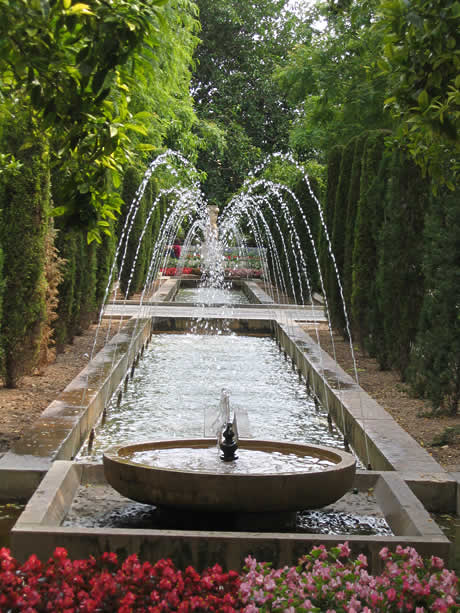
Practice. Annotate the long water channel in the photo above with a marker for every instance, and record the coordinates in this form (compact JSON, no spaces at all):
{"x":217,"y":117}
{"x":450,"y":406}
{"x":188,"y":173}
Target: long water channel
{"x":179,"y":382}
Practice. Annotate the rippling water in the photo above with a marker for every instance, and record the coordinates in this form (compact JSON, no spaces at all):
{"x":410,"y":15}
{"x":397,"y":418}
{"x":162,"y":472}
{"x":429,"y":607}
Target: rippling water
{"x":250,"y":461}
{"x":181,"y":377}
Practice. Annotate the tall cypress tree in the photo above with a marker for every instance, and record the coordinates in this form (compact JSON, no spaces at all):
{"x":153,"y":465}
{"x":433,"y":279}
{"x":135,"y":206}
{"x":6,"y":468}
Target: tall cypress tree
{"x":338,"y":235}
{"x":399,"y":279}
{"x":66,"y":242}
{"x":333,"y":175}
{"x":435,"y":363}
{"x":368,"y":220}
{"x":87,"y":283}
{"x":25,"y":209}
{"x":2,"y":283}
{"x":105,"y":254}
{"x":131,"y":181}
{"x":350,"y":222}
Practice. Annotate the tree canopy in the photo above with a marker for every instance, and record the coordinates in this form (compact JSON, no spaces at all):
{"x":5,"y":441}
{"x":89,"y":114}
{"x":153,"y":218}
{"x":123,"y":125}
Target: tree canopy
{"x":243,"y":113}
{"x":77,"y":66}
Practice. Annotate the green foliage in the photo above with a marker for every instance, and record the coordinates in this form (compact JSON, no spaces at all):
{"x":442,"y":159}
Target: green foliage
{"x":86,"y":283}
{"x":435,"y":367}
{"x":368,"y":221}
{"x":352,"y":206}
{"x":105,"y":254}
{"x":66,"y":324}
{"x":399,"y":278}
{"x":235,"y":95}
{"x":75,"y":64}
{"x":2,"y":284}
{"x":421,"y":59}
{"x":329,"y":78}
{"x":333,"y":176}
{"x":23,"y":228}
{"x":132,"y":280}
{"x":338,"y":238}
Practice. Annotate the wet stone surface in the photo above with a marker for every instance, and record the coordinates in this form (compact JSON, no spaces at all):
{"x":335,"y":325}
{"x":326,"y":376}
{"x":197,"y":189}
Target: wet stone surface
{"x":96,"y":506}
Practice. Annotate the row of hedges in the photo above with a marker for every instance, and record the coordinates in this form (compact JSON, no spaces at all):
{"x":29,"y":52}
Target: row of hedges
{"x":397,"y":252}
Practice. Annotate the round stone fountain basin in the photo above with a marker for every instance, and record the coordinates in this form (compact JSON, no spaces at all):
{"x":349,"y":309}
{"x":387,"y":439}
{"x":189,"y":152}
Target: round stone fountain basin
{"x":224,"y":490}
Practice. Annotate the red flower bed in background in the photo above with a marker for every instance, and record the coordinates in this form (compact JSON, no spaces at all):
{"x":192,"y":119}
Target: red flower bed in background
{"x":87,"y":586}
{"x":172,"y":271}
{"x":232,"y":273}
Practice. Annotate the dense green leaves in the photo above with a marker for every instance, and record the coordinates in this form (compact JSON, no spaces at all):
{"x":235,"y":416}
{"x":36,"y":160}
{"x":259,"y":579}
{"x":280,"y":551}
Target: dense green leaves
{"x":421,"y":56}
{"x":435,"y":369}
{"x":234,"y":91}
{"x":23,"y":226}
{"x":76,"y":66}
{"x":329,"y":78}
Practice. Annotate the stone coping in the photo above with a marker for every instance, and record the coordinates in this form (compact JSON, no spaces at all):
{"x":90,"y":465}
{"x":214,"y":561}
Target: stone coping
{"x":39,"y":528}
{"x":371,"y":431}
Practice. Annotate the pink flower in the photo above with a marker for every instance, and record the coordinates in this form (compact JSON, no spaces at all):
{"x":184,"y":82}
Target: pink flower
{"x":344,"y":550}
{"x":384,"y":553}
{"x":391,"y":594}
{"x":436,"y":562}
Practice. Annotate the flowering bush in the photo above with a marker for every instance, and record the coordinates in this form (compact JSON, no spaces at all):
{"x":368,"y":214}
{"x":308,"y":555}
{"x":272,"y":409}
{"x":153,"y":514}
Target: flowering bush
{"x":330,"y":581}
{"x":324,"y":581}
{"x":85,"y":586}
{"x":232,"y":273}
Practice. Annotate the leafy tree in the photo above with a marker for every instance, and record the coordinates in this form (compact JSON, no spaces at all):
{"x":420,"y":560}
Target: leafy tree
{"x":235,"y":96}
{"x":421,"y":58}
{"x":70,"y":61}
{"x":329,"y":78}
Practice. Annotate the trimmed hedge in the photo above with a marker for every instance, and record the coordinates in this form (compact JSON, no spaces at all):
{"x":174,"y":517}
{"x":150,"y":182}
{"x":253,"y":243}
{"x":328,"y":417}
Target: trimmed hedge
{"x":24,"y":220}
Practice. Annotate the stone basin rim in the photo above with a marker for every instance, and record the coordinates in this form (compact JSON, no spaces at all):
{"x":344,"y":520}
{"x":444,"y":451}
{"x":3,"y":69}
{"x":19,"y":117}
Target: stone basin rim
{"x":341,"y":459}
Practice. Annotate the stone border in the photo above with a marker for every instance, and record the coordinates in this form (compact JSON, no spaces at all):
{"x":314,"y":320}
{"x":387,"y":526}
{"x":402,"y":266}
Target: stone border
{"x":370,"y":430}
{"x":39,"y":528}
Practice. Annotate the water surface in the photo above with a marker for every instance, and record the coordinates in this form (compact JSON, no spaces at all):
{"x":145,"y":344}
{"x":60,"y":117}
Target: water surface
{"x":179,"y":382}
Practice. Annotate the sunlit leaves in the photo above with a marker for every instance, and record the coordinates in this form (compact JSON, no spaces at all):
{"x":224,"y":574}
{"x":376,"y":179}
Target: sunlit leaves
{"x":78,"y":66}
{"x":421,"y":58}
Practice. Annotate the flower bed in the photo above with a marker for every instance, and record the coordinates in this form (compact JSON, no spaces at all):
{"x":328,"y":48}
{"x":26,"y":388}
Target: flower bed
{"x":232,"y":273}
{"x":172,"y":271}
{"x":243,"y":273}
{"x":87,"y":586}
{"x":333,"y":582}
{"x":328,"y":581}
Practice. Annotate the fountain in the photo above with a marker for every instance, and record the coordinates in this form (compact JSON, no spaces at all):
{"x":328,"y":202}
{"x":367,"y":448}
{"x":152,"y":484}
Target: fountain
{"x":137,"y":472}
{"x":275,"y":476}
{"x":76,"y":508}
